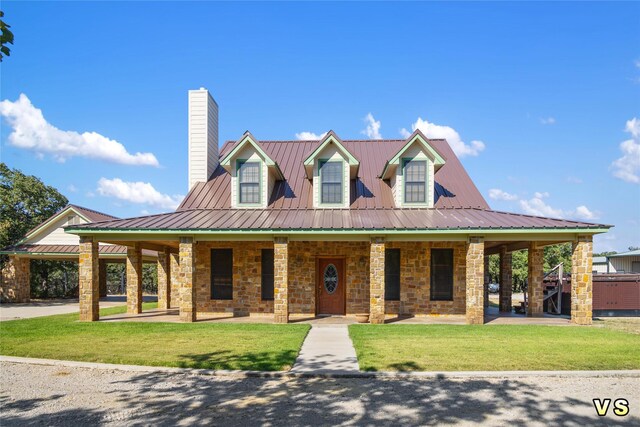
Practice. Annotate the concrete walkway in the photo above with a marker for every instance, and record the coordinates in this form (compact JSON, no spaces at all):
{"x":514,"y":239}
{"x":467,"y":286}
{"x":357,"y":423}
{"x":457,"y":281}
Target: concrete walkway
{"x":327,"y":350}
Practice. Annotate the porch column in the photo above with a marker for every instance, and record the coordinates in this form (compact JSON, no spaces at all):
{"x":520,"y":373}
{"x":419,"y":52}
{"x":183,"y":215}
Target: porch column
{"x":88,"y":275}
{"x":581,"y":281}
{"x":134,"y":279}
{"x":16,"y":280}
{"x":475,"y":281}
{"x":187,"y":279}
{"x":164,"y":279}
{"x":487,"y":280}
{"x":173,"y":299}
{"x":281,"y":279}
{"x":376,"y":280}
{"x":506,"y":280}
{"x":535,"y":291}
{"x":102,"y":276}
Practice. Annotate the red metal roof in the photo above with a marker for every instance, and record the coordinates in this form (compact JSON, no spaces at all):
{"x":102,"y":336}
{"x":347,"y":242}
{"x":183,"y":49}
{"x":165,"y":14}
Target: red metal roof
{"x":337,"y":219}
{"x":69,"y":249}
{"x":453,"y":187}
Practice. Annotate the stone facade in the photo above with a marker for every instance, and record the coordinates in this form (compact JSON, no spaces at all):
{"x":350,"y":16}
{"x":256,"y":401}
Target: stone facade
{"x":581,"y":281}
{"x":475,"y":281}
{"x":16,"y":276}
{"x":188,"y":297}
{"x":281,"y":280}
{"x":134,"y":279}
{"x":506,"y":280}
{"x":102,"y":273}
{"x":376,"y":280}
{"x":88,"y":275}
{"x":174,"y":273}
{"x":535,"y":289}
{"x":164,"y":279}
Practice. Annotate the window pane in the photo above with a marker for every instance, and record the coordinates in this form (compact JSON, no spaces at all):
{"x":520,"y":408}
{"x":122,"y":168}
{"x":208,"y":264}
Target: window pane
{"x":249,"y":172}
{"x":392,"y":274}
{"x":267,"y":274}
{"x":415,"y":177}
{"x":249,"y":193}
{"x":415,"y":192}
{"x":331,"y":172}
{"x":331,"y":193}
{"x":416,"y":170}
{"x":441,"y":274}
{"x":221,"y":273}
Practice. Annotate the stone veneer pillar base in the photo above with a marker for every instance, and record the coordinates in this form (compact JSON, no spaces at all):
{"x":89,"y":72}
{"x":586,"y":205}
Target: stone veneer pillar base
{"x":582,"y":281}
{"x":174,"y":281}
{"x":16,"y":280}
{"x":164,"y":279}
{"x":475,"y":281}
{"x":506,"y":280}
{"x":535,"y":291}
{"x":186,"y":279}
{"x":281,"y":280}
{"x":376,"y":280}
{"x":134,"y":279}
{"x":89,"y":280}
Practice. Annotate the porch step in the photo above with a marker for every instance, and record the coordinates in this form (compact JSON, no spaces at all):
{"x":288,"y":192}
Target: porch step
{"x":327,"y":349}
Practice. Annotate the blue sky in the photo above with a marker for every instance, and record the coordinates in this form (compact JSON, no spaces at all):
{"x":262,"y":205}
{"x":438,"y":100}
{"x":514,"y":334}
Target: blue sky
{"x":548,"y":90}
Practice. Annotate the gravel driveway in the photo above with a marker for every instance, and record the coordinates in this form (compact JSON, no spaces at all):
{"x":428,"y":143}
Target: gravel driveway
{"x":54,"y":395}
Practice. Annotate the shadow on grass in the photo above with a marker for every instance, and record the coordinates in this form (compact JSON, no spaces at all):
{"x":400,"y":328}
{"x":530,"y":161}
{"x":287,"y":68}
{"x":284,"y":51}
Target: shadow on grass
{"x":256,"y":361}
{"x":166,"y":399}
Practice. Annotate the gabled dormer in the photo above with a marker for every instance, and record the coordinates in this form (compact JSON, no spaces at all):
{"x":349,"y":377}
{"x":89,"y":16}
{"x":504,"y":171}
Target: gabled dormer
{"x":411,"y":172}
{"x":331,"y":167}
{"x":253,"y":173}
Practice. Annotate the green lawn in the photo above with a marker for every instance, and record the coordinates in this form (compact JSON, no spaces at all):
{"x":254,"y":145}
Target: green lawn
{"x":492,"y":348}
{"x":194,"y":345}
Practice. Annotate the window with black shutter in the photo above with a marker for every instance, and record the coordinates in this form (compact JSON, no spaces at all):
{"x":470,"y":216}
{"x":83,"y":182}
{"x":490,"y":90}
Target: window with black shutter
{"x":441,"y":274}
{"x":221,"y":273}
{"x":267,"y":274}
{"x":392,"y":274}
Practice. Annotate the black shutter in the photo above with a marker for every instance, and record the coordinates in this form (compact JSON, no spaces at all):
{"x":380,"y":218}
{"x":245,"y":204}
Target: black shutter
{"x":267,"y":274}
{"x":441,"y":274}
{"x":392,"y":274}
{"x":221,"y":273}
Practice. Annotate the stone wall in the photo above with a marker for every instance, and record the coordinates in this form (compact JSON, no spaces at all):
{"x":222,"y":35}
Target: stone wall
{"x":376,"y":280}
{"x":281,"y":279}
{"x":164,"y":279}
{"x":186,"y":280}
{"x":581,"y":281}
{"x":15,"y":285}
{"x":174,"y":272}
{"x":535,"y":287}
{"x":134,"y":279}
{"x":475,"y":281}
{"x":506,"y":280}
{"x":415,"y":278}
{"x":88,"y":275}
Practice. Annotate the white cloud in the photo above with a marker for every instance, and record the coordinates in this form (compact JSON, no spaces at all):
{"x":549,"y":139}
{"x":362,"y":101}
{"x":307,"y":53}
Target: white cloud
{"x":373,"y":127}
{"x":497,"y":194}
{"x":548,"y":120}
{"x":309,"y":136}
{"x":627,"y":167}
{"x":538,"y":207}
{"x":32,"y":132}
{"x":432,"y":130}
{"x":72,"y":188}
{"x":137,"y":192}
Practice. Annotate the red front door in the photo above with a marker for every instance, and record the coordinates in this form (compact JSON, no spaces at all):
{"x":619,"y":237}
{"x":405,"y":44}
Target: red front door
{"x":331,"y":286}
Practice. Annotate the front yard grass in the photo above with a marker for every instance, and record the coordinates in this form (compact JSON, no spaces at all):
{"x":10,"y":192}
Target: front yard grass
{"x":195,"y":345}
{"x":492,"y":348}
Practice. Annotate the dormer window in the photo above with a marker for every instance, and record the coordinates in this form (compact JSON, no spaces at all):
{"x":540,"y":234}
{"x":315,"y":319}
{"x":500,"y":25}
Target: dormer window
{"x":415,"y":181}
{"x":331,"y":176}
{"x":248,"y":182}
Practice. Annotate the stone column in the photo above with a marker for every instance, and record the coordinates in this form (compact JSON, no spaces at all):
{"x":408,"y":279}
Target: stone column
{"x":581,"y":281}
{"x":376,"y":280}
{"x":88,"y":274}
{"x":174,"y":283}
{"x":187,"y":278}
{"x":506,"y":280}
{"x":102,"y":276}
{"x":535,"y":291}
{"x":475,"y":281}
{"x":134,"y":279}
{"x":164,"y":279}
{"x":16,"y":280}
{"x":281,"y":280}
{"x":487,"y":280}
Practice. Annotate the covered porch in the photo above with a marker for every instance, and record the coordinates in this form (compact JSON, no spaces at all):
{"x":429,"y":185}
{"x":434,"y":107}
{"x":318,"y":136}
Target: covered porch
{"x":186,"y":272}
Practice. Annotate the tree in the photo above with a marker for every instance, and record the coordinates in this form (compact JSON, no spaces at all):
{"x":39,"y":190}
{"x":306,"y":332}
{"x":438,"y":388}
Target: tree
{"x":25,"y":202}
{"x":6,"y":38}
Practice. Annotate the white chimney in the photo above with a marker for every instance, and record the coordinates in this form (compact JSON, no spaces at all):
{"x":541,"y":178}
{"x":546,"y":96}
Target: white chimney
{"x":203,"y":136}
